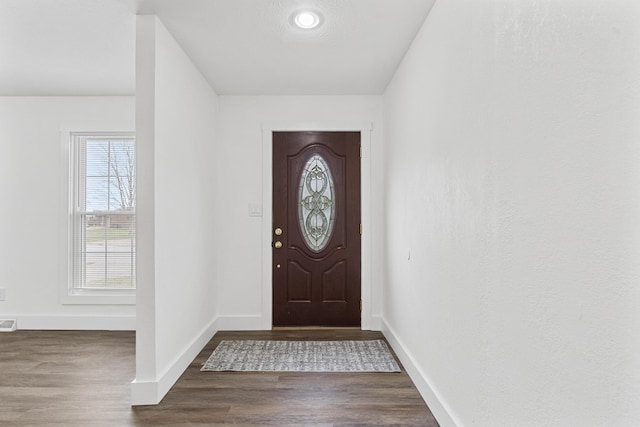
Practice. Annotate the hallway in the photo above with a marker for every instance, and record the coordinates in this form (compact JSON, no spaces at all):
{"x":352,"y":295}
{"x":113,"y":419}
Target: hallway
{"x":499,"y":207}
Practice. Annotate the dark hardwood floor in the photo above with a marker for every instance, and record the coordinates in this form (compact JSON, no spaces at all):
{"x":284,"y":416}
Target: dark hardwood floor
{"x":82,"y":378}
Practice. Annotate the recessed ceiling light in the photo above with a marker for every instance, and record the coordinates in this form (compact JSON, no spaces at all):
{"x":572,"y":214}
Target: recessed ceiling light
{"x":306,"y":19}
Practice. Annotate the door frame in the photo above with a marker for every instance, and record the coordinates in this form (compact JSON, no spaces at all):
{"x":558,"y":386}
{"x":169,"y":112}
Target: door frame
{"x":365,"y":130}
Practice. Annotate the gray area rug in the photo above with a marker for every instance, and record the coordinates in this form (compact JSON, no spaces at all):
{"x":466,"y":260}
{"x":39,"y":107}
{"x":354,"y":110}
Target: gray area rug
{"x":302,"y":356}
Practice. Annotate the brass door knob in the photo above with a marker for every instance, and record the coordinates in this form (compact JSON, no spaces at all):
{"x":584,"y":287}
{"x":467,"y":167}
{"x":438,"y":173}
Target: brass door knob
{"x":278,"y":231}
{"x":277,"y":244}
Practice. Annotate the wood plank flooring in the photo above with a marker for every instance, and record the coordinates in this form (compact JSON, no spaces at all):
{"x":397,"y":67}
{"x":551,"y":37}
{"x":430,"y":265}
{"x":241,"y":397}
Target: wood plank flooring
{"x":82,"y":378}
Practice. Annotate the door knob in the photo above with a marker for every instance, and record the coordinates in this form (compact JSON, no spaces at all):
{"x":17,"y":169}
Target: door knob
{"x":278,"y":231}
{"x":277,"y":244}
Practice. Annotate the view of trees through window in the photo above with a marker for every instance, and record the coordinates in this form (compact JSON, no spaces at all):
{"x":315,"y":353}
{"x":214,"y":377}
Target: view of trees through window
{"x":105,"y":221}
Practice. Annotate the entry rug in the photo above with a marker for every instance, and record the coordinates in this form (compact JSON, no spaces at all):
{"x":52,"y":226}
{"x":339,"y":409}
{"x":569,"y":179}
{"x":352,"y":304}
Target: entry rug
{"x":302,"y":356}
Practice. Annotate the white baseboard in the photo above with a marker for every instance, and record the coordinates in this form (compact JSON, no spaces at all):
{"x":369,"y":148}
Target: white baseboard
{"x":241,"y":323}
{"x":432,"y":398}
{"x":75,"y":323}
{"x":145,"y":393}
{"x":152,"y":392}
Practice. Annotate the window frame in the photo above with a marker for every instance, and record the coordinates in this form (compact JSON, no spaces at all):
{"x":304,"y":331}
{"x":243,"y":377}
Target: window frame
{"x":69,"y":294}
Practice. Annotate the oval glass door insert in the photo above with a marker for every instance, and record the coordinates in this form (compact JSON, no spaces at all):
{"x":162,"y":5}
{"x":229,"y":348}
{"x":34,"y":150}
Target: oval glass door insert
{"x":316,"y":209}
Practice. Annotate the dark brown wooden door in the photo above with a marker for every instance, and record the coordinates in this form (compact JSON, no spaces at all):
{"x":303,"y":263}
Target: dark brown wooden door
{"x":316,"y":228}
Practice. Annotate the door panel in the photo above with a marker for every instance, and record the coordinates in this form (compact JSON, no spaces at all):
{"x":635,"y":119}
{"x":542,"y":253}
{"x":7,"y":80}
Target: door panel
{"x":298,"y":283}
{"x":334,"y":283}
{"x":316,"y":211}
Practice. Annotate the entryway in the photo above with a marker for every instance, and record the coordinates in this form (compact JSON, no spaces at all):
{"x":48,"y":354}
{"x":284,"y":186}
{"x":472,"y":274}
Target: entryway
{"x":316,"y":231}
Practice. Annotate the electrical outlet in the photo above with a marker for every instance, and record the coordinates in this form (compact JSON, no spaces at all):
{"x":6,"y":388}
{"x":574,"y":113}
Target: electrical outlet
{"x":3,"y":294}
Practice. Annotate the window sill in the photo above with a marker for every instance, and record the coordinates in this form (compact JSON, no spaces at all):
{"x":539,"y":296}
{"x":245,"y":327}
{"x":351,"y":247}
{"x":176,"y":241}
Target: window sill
{"x":99,"y":298}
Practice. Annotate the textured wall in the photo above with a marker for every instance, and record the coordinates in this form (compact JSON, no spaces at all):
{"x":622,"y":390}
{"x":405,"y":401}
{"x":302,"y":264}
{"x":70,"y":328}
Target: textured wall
{"x":513,"y":210}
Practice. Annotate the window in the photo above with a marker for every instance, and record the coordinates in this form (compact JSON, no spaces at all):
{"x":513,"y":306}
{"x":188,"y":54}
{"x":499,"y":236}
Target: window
{"x":316,"y":207}
{"x":103,"y":217}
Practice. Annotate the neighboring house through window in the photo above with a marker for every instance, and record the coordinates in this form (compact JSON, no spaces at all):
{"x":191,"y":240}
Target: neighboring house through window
{"x":103,"y":217}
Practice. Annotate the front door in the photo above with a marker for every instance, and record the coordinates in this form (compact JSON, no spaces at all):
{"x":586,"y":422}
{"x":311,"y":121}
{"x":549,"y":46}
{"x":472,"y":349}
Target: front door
{"x":316,"y":229}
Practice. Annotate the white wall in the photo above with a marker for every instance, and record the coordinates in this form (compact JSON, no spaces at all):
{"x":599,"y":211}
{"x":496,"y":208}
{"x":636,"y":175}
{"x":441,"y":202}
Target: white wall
{"x":241,"y":150}
{"x":33,"y":192}
{"x":513,"y":179}
{"x":177,"y":160}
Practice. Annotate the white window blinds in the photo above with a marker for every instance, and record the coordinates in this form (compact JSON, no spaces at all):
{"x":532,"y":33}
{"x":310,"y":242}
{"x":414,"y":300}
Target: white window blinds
{"x":103,"y":217}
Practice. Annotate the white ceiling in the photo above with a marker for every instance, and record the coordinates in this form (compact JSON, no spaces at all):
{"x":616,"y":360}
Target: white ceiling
{"x":242,"y":47}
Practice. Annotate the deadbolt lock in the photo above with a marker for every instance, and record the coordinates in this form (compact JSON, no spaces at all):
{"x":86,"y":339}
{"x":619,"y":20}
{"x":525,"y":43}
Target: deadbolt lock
{"x":277,"y":244}
{"x":278,"y":231}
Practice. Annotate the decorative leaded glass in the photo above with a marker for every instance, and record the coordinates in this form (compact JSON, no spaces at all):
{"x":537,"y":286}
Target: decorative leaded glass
{"x":316,"y":203}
